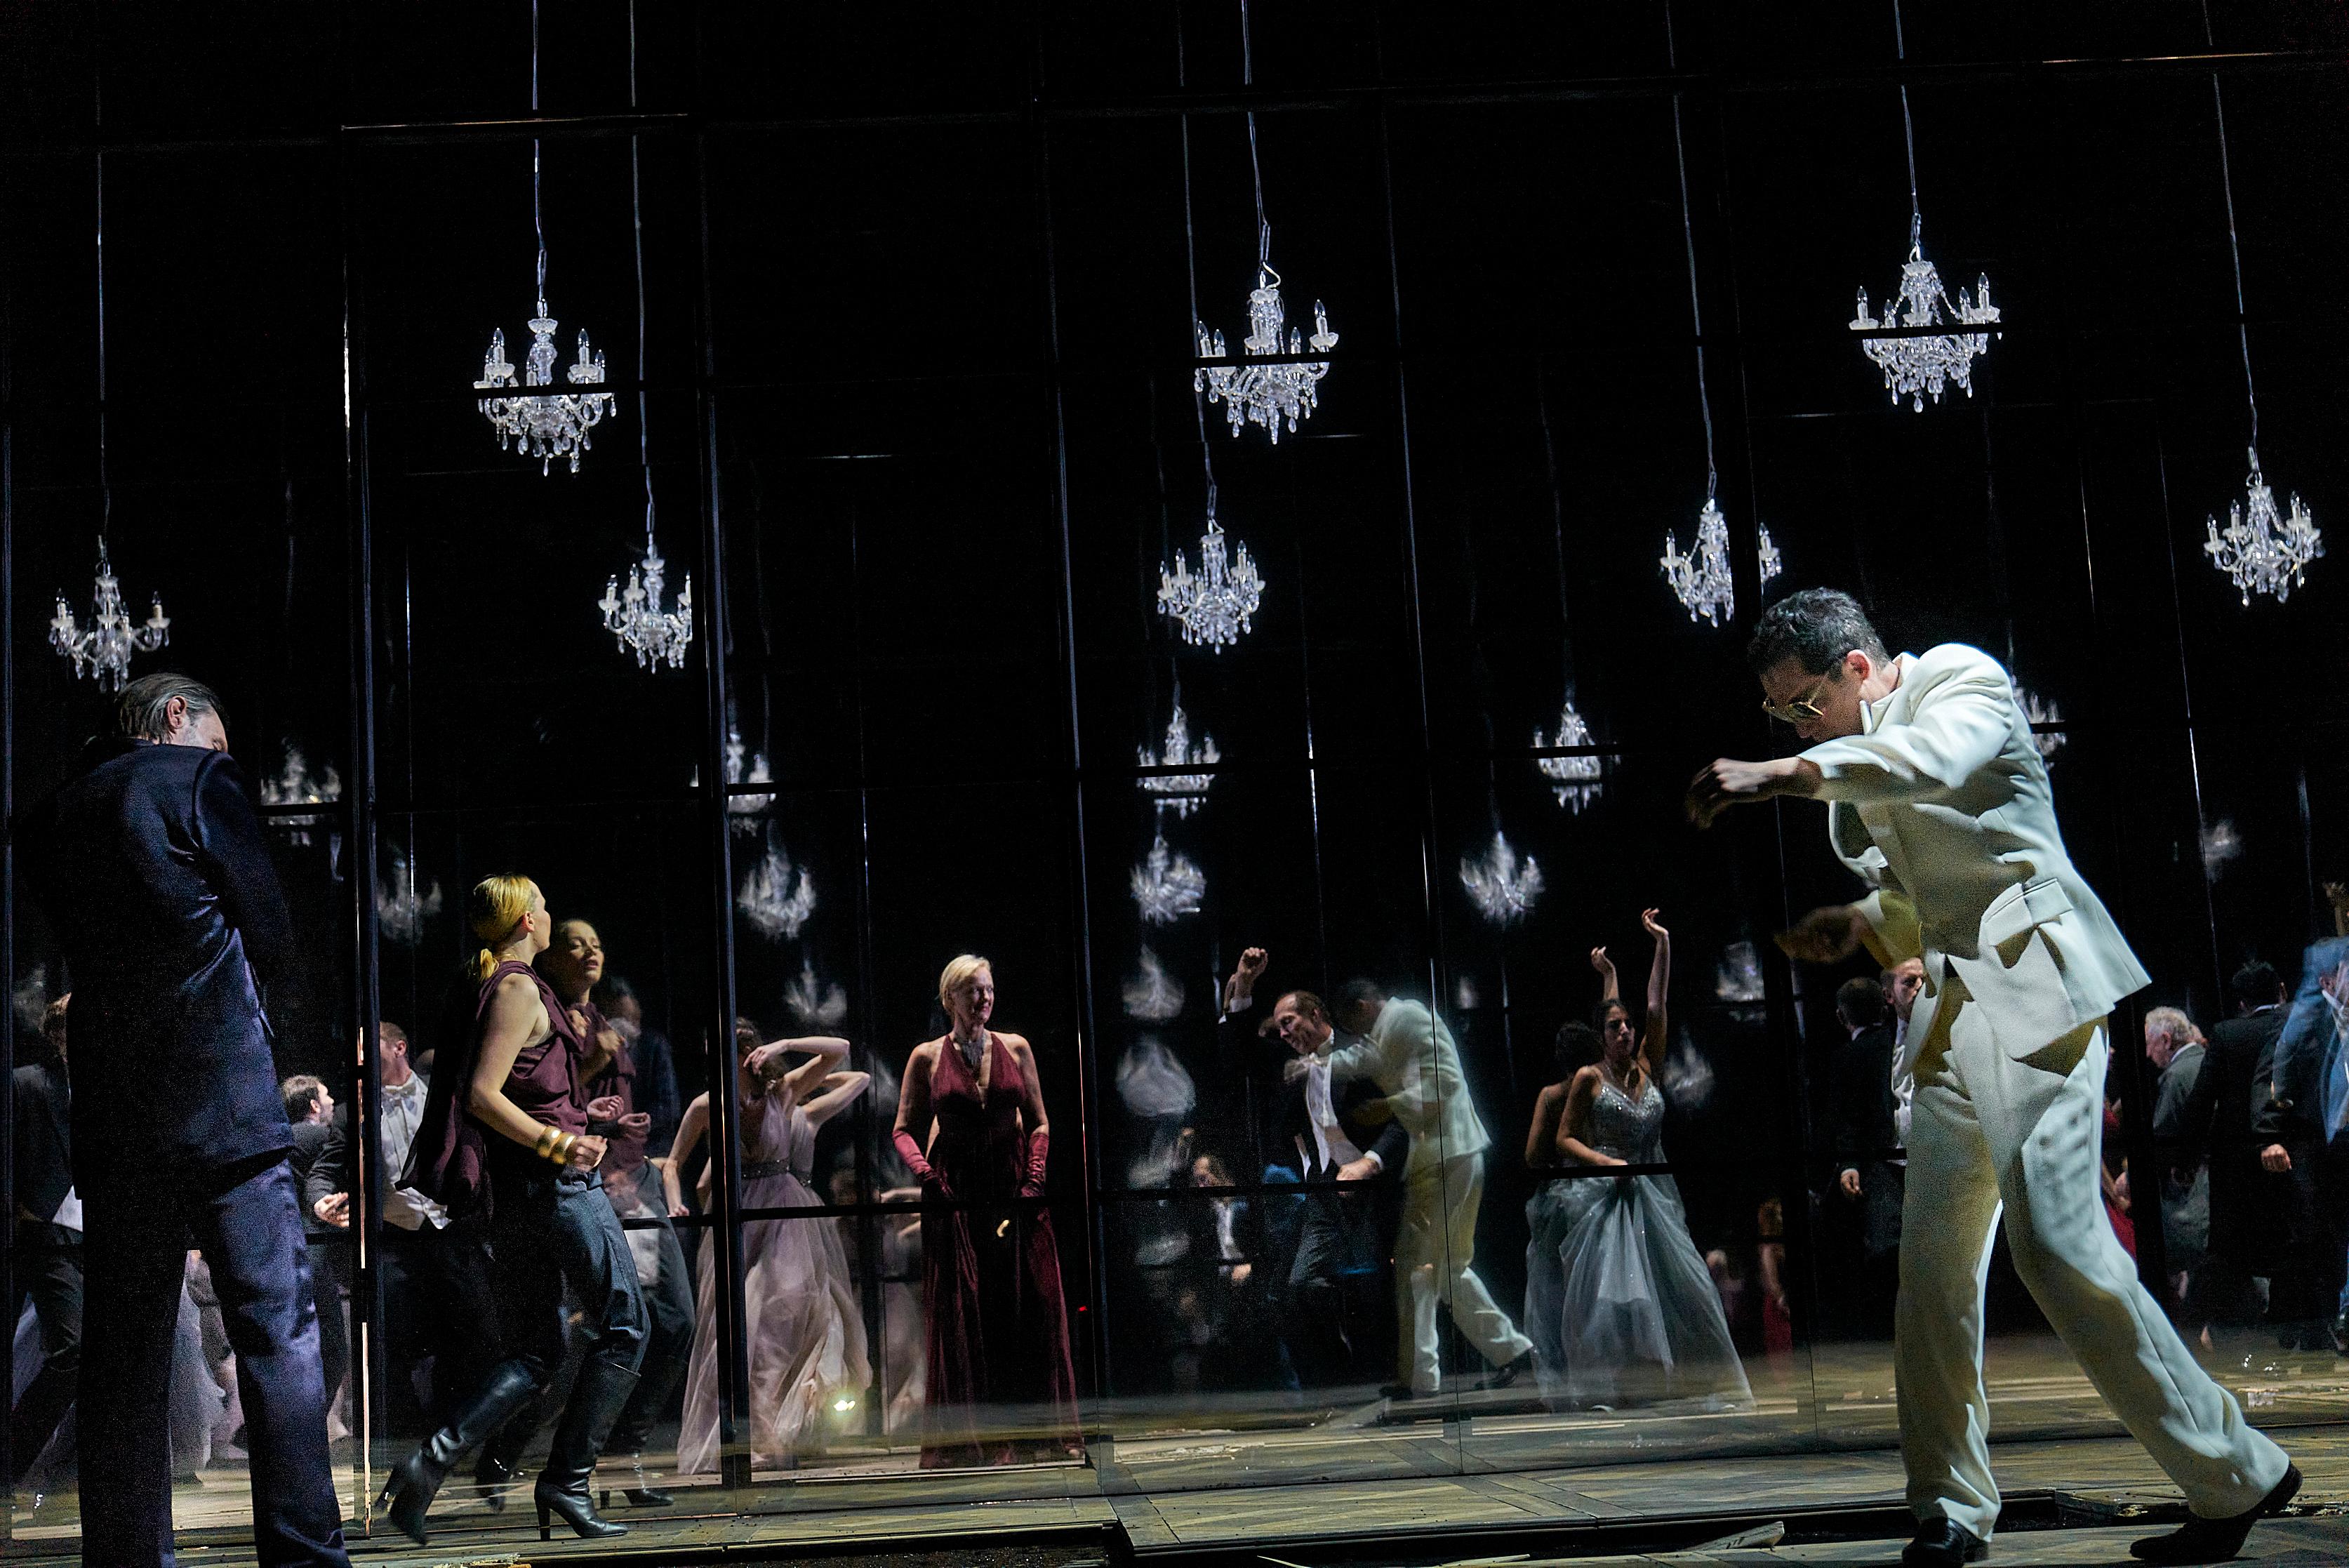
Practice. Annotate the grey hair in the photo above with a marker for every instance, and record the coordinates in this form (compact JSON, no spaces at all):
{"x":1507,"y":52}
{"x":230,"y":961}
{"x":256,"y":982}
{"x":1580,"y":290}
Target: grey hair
{"x":2172,"y":1023}
{"x":142,"y":713}
{"x":1816,"y":627}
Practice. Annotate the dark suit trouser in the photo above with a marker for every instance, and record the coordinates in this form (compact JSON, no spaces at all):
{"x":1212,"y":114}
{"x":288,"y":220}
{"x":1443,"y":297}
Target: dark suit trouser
{"x":438,"y":1306}
{"x":248,"y":1224}
{"x":48,"y":1270}
{"x":2307,"y":1282}
{"x":329,"y":1260}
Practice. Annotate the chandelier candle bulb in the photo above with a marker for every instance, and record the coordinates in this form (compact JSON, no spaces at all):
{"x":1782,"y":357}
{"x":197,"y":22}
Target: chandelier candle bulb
{"x":2268,"y":552}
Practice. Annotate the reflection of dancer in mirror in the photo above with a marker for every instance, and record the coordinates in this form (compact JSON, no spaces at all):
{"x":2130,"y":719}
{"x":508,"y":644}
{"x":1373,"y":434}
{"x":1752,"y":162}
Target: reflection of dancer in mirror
{"x":1939,"y":800}
{"x":552,"y":1230}
{"x":1637,"y":1311}
{"x":801,"y":1315}
{"x":1548,"y":1213}
{"x":972,"y":1129}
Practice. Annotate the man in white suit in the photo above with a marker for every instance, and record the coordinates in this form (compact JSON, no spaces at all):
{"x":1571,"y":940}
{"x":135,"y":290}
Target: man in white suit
{"x":1939,"y":799}
{"x":1407,"y":1051}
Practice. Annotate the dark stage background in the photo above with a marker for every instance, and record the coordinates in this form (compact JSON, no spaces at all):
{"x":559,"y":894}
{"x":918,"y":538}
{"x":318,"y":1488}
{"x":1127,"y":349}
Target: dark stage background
{"x":914,"y":288}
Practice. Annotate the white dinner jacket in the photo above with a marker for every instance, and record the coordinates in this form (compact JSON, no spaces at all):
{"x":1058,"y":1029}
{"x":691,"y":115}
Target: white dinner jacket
{"x":1411,"y":1057}
{"x":1941,"y":805}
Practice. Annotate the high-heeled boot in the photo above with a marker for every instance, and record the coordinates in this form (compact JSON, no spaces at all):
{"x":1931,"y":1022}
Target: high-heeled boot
{"x":409,"y":1491}
{"x":601,"y":1388}
{"x":501,"y":1463}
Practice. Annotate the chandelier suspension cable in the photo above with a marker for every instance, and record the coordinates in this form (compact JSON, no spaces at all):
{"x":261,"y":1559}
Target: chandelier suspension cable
{"x":1907,"y":126}
{"x":1256,"y":170}
{"x":2234,"y":245}
{"x":1696,"y":309}
{"x":637,"y":218}
{"x":105,"y":484}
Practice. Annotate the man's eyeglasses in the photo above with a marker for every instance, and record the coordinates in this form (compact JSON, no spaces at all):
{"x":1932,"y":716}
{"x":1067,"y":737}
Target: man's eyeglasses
{"x":1803,"y":709}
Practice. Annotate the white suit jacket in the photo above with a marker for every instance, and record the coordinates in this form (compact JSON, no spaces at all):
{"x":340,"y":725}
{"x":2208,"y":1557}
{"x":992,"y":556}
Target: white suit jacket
{"x":1411,"y":1057}
{"x":1941,"y":805}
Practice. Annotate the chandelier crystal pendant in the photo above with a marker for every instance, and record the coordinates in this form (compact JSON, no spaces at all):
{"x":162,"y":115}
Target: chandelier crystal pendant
{"x":1573,"y":780}
{"x":2267,"y":551}
{"x":1921,"y":367}
{"x":1503,"y":888}
{"x":1167,"y":885}
{"x":104,"y":650}
{"x":775,"y":905}
{"x":1181,"y":793}
{"x":633,"y":615}
{"x":1216,"y":606}
{"x":1701,"y":578}
{"x":400,"y":910}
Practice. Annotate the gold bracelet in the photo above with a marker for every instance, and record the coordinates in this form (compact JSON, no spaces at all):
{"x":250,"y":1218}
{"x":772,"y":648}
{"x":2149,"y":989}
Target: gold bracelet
{"x":563,"y":1146}
{"x":546,"y":1136}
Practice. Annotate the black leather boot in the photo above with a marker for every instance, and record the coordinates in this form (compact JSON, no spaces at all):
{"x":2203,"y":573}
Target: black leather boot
{"x":501,"y":1462}
{"x":411,"y":1487}
{"x":603,"y":1387}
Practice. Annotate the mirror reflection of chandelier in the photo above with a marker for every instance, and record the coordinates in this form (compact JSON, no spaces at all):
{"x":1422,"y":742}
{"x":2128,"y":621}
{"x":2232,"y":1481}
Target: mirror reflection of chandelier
{"x":773,"y":903}
{"x":1923,"y":367}
{"x":1573,"y":780}
{"x":1181,"y":793}
{"x":104,"y":650}
{"x":744,"y":808}
{"x":1216,"y":606}
{"x":400,"y":910}
{"x":1167,"y":885}
{"x":1503,"y":888}
{"x":2267,"y":551}
{"x":633,"y":614}
{"x":293,"y":784}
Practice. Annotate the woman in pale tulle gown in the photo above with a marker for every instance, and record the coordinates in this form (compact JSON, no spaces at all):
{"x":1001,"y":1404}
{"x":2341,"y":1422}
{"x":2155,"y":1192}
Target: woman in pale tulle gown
{"x":1637,"y":1313}
{"x":803,"y":1318}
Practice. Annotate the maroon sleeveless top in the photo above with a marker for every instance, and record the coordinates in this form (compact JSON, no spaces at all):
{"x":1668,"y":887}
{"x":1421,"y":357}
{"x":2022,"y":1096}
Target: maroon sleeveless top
{"x":545,"y":1083}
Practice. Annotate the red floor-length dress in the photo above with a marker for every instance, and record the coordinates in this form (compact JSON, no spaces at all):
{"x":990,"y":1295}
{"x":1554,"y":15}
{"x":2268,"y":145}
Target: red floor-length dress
{"x":1001,"y":1386}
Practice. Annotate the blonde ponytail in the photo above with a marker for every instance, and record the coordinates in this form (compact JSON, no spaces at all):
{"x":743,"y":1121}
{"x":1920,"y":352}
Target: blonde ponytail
{"x":494,"y":909}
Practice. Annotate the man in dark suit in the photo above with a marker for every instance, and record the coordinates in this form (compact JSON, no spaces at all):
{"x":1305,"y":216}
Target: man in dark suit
{"x":157,"y":878}
{"x":2231,"y":1119}
{"x":47,"y":1249}
{"x":2312,"y":1086}
{"x":314,"y":1121}
{"x":1869,"y":1180}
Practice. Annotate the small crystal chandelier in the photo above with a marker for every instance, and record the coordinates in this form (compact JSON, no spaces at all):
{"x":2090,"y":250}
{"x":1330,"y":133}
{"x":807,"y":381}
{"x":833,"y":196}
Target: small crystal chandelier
{"x":1502,"y":889}
{"x":1216,"y":606}
{"x":744,"y":808}
{"x":105,"y":649}
{"x":1256,"y":393}
{"x":2269,"y":551}
{"x":1153,"y":996}
{"x":2036,"y":712}
{"x":543,"y":425}
{"x":1920,"y":368}
{"x":1765,"y":556}
{"x":293,"y":786}
{"x":776,"y":907}
{"x":816,"y":1005}
{"x":633,"y":615}
{"x":1181,"y":793}
{"x":400,"y":910}
{"x":1167,"y":885}
{"x":1701,"y":580}
{"x":1573,"y":780}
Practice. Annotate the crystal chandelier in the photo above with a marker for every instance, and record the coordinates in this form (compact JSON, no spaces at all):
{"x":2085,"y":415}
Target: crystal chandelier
{"x":1167,"y":885}
{"x":1502,"y":889}
{"x":1262,"y":393}
{"x":816,"y":1005}
{"x":1574,"y":780}
{"x":633,"y":615}
{"x":543,"y":425}
{"x":1181,"y":793}
{"x":1153,"y":996}
{"x":744,"y":808}
{"x":293,"y":786}
{"x":400,"y":910}
{"x":774,"y":906}
{"x":2037,"y":710}
{"x":1216,"y":606}
{"x":2269,"y":551}
{"x":105,"y":649}
{"x":1765,"y":556}
{"x":1921,"y":367}
{"x":1701,"y":580}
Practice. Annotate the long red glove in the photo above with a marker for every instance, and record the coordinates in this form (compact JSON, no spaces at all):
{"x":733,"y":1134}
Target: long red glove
{"x":1039,"y":1142}
{"x":916,"y":1161}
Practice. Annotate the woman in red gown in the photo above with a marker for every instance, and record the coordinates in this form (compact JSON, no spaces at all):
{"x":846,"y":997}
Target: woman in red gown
{"x":971,"y":1127}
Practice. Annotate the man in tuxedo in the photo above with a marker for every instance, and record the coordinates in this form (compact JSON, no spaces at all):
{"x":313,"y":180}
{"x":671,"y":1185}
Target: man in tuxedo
{"x":2177,"y":1049}
{"x":2230,"y":1120}
{"x":2289,"y":1133}
{"x":1404,"y":1048}
{"x":157,"y":878}
{"x":1868,"y":1178}
{"x":2311,"y":1088}
{"x":48,"y":1248}
{"x":313,"y":1118}
{"x":1938,"y":799}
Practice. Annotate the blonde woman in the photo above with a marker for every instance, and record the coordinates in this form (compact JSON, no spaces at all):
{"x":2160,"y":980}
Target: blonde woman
{"x":802,"y":1316}
{"x":523,"y":1136}
{"x":971,"y":1127}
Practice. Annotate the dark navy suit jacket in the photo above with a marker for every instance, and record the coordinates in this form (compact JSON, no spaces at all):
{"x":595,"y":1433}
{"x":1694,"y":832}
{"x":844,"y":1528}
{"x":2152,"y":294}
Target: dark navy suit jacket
{"x":157,"y":876}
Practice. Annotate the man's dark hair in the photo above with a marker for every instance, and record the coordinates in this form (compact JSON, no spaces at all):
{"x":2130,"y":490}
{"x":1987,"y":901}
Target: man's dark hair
{"x":1577,"y":1046}
{"x":1860,"y":1003}
{"x":2256,"y":985}
{"x":1361,"y":993}
{"x":301,"y":1094}
{"x":1814,"y":627}
{"x":140,"y":713}
{"x":613,"y":989}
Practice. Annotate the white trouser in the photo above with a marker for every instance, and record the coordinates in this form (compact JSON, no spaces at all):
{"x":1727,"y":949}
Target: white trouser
{"x":1989,"y":1131}
{"x":1434,"y":1244}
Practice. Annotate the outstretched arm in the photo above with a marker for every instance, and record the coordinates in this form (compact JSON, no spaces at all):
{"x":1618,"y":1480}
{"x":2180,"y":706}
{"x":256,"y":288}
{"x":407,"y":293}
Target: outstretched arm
{"x":825,"y":1054}
{"x":1610,"y":985}
{"x":1660,"y":982}
{"x":834,"y":1093}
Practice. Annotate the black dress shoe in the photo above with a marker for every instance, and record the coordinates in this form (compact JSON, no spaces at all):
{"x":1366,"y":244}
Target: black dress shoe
{"x":1941,"y":1544}
{"x":2202,"y":1540}
{"x":1527,"y":1367}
